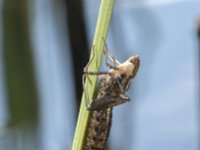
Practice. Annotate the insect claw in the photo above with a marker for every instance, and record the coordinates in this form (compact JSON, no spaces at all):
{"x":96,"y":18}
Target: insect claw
{"x":109,"y":92}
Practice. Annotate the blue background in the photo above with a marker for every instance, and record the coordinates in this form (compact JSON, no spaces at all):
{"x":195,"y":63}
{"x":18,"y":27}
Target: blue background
{"x":164,"y":110}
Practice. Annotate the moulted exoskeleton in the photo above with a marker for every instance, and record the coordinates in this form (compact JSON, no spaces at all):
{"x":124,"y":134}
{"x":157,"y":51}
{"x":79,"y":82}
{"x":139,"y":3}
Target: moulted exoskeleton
{"x":110,"y":92}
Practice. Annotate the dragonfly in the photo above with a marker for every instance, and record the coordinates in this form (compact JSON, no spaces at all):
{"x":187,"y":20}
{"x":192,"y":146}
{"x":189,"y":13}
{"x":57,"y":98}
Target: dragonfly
{"x":110,"y":91}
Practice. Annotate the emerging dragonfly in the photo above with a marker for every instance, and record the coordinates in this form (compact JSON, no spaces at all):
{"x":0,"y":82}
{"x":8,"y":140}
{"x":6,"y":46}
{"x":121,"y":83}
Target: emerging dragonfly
{"x":110,"y":92}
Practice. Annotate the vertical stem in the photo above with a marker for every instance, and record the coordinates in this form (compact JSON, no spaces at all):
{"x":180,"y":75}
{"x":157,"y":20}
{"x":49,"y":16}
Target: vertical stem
{"x":102,"y":26}
{"x":19,"y":71}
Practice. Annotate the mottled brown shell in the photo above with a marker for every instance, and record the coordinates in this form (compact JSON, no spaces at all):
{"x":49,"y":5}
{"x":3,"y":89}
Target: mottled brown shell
{"x":98,"y":131}
{"x":110,"y":92}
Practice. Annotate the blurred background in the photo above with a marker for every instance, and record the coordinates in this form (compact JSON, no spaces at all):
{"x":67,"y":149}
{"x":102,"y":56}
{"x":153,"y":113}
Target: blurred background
{"x":44,"y":45}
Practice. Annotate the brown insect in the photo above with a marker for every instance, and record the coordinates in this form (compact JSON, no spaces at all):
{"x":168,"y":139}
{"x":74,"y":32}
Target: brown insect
{"x":110,"y":92}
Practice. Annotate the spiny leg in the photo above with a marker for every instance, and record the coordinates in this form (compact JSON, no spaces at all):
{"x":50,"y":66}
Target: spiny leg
{"x":86,"y":73}
{"x":110,"y":57}
{"x":120,"y":85}
{"x":92,"y":57}
{"x":107,"y":101}
{"x":84,"y":89}
{"x":85,"y":69}
{"x":128,"y":86}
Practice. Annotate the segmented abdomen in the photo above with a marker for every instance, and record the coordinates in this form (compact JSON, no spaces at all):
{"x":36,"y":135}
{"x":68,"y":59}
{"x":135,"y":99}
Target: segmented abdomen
{"x":98,"y":131}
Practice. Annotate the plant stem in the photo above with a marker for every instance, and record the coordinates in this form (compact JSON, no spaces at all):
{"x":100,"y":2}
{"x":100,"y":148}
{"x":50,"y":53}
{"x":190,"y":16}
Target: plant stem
{"x":102,"y":26}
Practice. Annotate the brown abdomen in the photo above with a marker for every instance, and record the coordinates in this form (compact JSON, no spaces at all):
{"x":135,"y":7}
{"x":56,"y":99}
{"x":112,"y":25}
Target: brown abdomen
{"x":98,"y":131}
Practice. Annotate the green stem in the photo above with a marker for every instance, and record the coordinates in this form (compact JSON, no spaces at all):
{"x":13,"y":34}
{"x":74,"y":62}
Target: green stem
{"x":102,"y":26}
